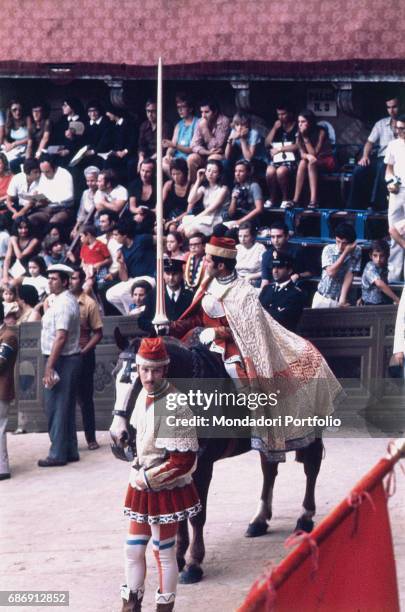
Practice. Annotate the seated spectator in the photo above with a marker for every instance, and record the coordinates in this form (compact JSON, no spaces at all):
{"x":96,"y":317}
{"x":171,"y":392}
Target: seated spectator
{"x":194,"y":270}
{"x":87,"y":206}
{"x":368,"y":185}
{"x":27,"y":299}
{"x":142,"y":191}
{"x":316,"y":156}
{"x":95,"y":256}
{"x":249,"y":254}
{"x":136,"y":260}
{"x":26,"y":182}
{"x":282,"y":141}
{"x":374,"y":282}
{"x":139,"y":293}
{"x":5,"y":179}
{"x":19,"y":251}
{"x":108,"y":221}
{"x":15,"y":135}
{"x":174,"y":243}
{"x":11,"y":317}
{"x":283,"y":300}
{"x":56,"y":187}
{"x":110,"y":195}
{"x":55,"y":251}
{"x":37,"y":276}
{"x":179,"y":147}
{"x":96,"y":134}
{"x":214,"y":195}
{"x":4,"y":241}
{"x":147,"y":133}
{"x":9,"y":298}
{"x":244,"y":142}
{"x":209,"y":138}
{"x":176,"y":192}
{"x":339,"y":261}
{"x":120,"y":143}
{"x":71,"y":143}
{"x":72,"y":111}
{"x":39,"y":132}
{"x":246,"y":198}
{"x":279,"y":237}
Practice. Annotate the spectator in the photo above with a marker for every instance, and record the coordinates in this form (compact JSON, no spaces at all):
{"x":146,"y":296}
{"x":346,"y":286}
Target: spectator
{"x":110,"y":195}
{"x":395,"y":177}
{"x":72,"y":111}
{"x":55,"y":251}
{"x":174,"y":242}
{"x":91,"y":333}
{"x":209,"y":138}
{"x":87,"y":206}
{"x":147,"y":134}
{"x":142,"y":191}
{"x":119,"y":142}
{"x":5,"y":178}
{"x":4,"y":242}
{"x":283,"y":300}
{"x":60,"y":347}
{"x":249,"y":254}
{"x":179,"y":147}
{"x":139,"y":293}
{"x":96,"y":133}
{"x":194,"y":270}
{"x":8,"y":355}
{"x":9,"y":298}
{"x":39,"y":132}
{"x":374,"y":282}
{"x":136,"y":259}
{"x":280,"y":244}
{"x":108,"y":221}
{"x":94,"y":255}
{"x":27,"y":299}
{"x":316,"y":156}
{"x":339,"y":261}
{"x":16,"y":135}
{"x":2,"y":128}
{"x":26,"y":182}
{"x":214,"y":195}
{"x":37,"y":276}
{"x":56,"y":186}
{"x":176,"y":192}
{"x":244,"y":142}
{"x":368,"y":185}
{"x":282,"y":140}
{"x":246,"y":198}
{"x":20,"y":249}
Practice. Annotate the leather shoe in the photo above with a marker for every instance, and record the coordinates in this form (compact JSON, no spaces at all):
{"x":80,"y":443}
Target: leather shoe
{"x":73,"y":459}
{"x":49,"y":462}
{"x":5,"y":476}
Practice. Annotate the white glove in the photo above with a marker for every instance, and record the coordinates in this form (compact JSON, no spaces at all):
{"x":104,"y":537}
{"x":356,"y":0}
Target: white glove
{"x":136,"y":479}
{"x":207,"y":335}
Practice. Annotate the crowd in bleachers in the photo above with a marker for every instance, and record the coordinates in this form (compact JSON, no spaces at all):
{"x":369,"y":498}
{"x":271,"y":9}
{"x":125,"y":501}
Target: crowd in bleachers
{"x":82,"y":191}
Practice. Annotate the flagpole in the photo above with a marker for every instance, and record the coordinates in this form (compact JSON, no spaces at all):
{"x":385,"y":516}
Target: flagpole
{"x":160,"y":313}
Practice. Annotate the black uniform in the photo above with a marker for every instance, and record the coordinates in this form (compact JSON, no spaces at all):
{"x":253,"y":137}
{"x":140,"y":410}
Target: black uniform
{"x":285,"y":304}
{"x":174,"y":309}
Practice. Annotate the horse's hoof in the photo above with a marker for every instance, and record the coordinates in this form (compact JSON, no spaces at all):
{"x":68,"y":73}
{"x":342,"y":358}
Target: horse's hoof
{"x":181,"y":562}
{"x":191,"y":575}
{"x":304,"y":524}
{"x":255,"y":530}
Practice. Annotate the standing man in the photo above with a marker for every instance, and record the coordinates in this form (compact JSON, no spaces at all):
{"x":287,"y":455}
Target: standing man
{"x":395,"y":178}
{"x":91,"y":333}
{"x":368,"y":176}
{"x":60,"y":347}
{"x":8,"y":355}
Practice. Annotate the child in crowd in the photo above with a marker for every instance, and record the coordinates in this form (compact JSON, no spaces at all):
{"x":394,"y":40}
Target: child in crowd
{"x":9,"y":299}
{"x":37,"y":278}
{"x":374,"y":282}
{"x":339,"y":261}
{"x":94,"y":255}
{"x":55,"y":251}
{"x":139,"y":293}
{"x":174,"y":243}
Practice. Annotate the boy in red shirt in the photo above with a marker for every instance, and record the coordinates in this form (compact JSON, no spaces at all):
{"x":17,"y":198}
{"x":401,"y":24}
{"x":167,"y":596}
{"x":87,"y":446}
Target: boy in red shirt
{"x":95,"y":256}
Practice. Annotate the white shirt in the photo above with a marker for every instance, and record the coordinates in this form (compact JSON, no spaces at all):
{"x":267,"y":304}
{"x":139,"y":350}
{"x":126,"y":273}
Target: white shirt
{"x":176,"y":293}
{"x":63,"y":314}
{"x":249,"y":261}
{"x":395,"y":156}
{"x":118,"y":193}
{"x":58,"y":189}
{"x":19,"y":185}
{"x":113,"y":246}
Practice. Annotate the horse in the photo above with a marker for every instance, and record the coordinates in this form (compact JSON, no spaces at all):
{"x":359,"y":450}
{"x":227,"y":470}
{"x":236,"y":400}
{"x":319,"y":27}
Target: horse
{"x":198,"y":362}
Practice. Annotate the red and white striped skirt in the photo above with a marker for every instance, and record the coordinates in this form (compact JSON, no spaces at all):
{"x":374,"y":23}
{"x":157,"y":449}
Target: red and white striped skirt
{"x":162,"y":507}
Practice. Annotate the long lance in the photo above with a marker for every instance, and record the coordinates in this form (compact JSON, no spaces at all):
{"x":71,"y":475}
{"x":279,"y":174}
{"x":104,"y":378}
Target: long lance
{"x":160,"y":313}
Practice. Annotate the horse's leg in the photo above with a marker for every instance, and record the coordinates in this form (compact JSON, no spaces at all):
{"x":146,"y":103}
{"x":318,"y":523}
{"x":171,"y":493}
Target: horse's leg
{"x":182,"y":544}
{"x":258,"y":524}
{"x":202,"y":478}
{"x":311,"y":457}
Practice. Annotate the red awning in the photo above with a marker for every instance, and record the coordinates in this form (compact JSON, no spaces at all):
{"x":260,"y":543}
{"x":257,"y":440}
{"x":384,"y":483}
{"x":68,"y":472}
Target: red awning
{"x":123,"y":38}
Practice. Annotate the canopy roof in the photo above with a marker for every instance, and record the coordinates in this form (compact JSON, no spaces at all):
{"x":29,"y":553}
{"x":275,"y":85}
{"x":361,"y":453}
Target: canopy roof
{"x":263,"y":38}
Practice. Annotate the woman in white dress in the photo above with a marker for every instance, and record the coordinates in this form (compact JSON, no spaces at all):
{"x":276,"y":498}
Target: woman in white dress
{"x":214,"y":195}
{"x":249,"y":255}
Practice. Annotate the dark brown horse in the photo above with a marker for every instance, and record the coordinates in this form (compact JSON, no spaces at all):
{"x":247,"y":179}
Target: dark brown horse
{"x":199,"y":362}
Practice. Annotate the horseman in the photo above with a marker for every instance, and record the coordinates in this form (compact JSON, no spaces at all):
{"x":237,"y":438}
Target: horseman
{"x":161,"y":491}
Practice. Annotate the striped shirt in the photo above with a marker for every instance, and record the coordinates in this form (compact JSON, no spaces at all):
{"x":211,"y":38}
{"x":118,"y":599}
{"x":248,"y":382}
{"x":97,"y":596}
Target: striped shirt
{"x":63,"y":314}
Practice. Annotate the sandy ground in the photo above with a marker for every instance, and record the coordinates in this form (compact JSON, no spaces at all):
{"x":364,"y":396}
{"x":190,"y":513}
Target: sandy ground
{"x":63,"y":528}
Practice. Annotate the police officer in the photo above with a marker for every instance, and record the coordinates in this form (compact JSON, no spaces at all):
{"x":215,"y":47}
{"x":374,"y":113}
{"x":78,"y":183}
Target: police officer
{"x":283,"y":299}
